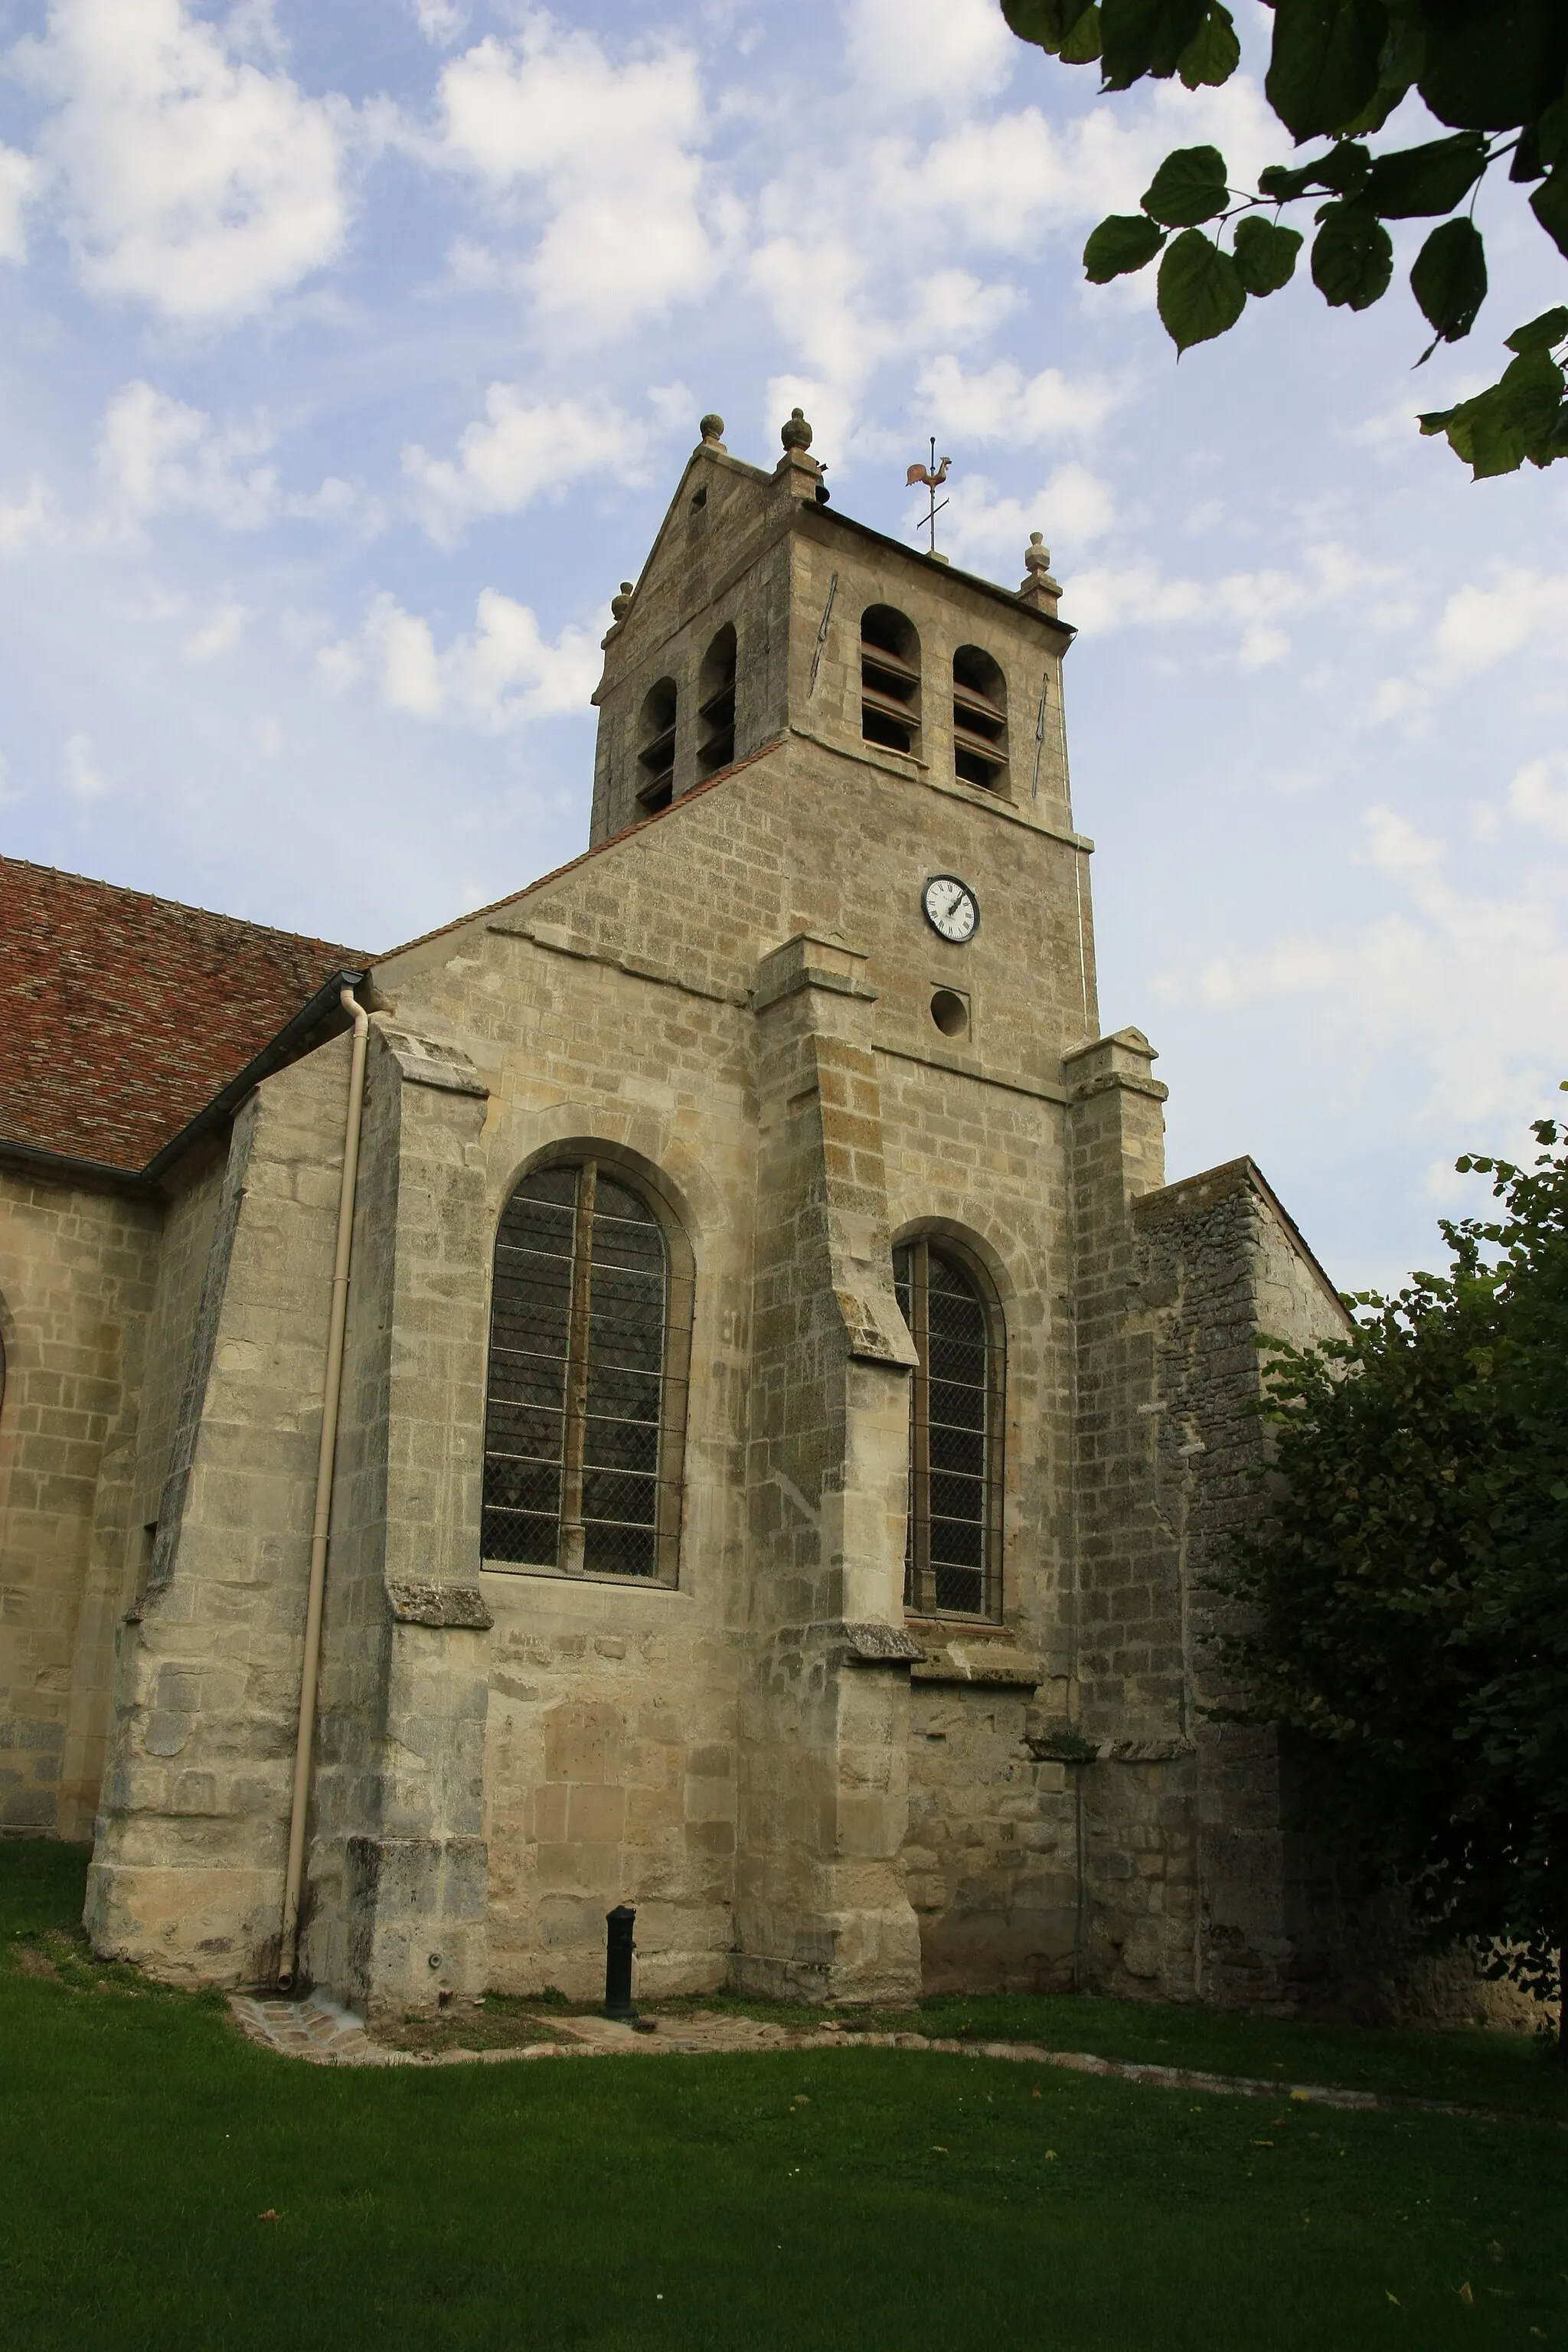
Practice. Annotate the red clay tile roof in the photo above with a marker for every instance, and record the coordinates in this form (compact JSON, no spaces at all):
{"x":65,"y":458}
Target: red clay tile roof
{"x":121,"y":1016}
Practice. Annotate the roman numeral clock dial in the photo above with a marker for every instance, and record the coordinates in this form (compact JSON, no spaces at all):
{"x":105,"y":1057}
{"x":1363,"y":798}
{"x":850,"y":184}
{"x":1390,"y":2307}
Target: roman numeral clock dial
{"x":950,"y":908}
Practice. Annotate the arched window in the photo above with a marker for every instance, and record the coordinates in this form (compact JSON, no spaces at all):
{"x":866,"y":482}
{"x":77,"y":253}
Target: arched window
{"x":952,"y":1558}
{"x":979,"y":719}
{"x":716,"y":704}
{"x":889,"y":679}
{"x":656,"y":737}
{"x":590,"y":1336}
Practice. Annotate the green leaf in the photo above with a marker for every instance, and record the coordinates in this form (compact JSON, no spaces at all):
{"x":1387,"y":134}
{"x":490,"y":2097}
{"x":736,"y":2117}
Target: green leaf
{"x":1352,"y":257}
{"x":1124,"y":242}
{"x":1449,"y":278}
{"x":1552,"y":133}
{"x":1345,"y":169}
{"x":1146,"y":36}
{"x":1082,"y":44}
{"x":1401,"y":66}
{"x":1201,"y":292}
{"x":1324,"y":68}
{"x":1527,"y":163}
{"x":1550,"y":206}
{"x":1493,"y":441}
{"x":1415,"y":181}
{"x":1492,"y":66}
{"x":1522,"y":415}
{"x":1540,"y":334}
{"x":1189,"y":187}
{"x":1049,"y":23}
{"x":1283,"y":184}
{"x":1265,"y":253}
{"x":1532,"y":387}
{"x":1213,"y":53}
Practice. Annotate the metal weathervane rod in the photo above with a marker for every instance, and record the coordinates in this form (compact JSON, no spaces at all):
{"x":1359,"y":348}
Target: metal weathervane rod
{"x":932,"y":478}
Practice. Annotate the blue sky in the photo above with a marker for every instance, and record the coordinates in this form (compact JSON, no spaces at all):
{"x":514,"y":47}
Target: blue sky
{"x":352,"y":354}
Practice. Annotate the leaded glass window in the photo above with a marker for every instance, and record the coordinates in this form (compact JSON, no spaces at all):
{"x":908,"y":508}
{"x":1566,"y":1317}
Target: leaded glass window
{"x":586,"y":1404}
{"x":953,"y":1553}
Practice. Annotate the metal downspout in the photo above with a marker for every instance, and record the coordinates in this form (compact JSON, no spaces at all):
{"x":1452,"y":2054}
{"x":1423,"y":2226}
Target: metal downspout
{"x":305,"y":1740}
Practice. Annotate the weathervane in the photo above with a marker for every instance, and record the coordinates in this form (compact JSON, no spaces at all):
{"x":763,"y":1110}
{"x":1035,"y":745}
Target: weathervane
{"x":932,"y":478}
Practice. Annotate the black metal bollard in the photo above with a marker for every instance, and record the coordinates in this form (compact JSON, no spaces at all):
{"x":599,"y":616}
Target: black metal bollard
{"x":618,"y":1948}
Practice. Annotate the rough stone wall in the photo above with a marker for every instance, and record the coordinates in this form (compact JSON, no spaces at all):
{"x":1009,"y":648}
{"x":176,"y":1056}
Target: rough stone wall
{"x":77,"y":1274}
{"x":122,"y":1569}
{"x":756,"y":548}
{"x":612,"y":1006}
{"x":1218,"y":1263}
{"x":946,"y":611}
{"x":397,"y":1869}
{"x":990,"y":1855}
{"x":737,"y":1004}
{"x":187,"y":1871}
{"x":721,"y":557}
{"x":820,"y":1906}
{"x":1126,"y":1697}
{"x":1223,"y":1265}
{"x":610,"y":1769}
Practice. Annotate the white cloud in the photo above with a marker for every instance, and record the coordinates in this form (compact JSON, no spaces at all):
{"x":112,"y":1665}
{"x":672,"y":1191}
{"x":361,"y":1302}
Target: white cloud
{"x":192,"y":179}
{"x":499,"y":677}
{"x":1140,"y":594}
{"x":983,"y":529}
{"x":35,"y":519}
{"x":84,"y":780}
{"x":1533,"y":799}
{"x":217,"y":636}
{"x":1005,"y":181}
{"x":1468,"y":988}
{"x":866,"y":250}
{"x":1001,"y":403}
{"x":440,"y":21}
{"x":327,"y":504}
{"x":951,"y":52}
{"x":521,"y":451}
{"x":1480,"y":625}
{"x":157,"y":455}
{"x":609,"y":153}
{"x":18,"y":185}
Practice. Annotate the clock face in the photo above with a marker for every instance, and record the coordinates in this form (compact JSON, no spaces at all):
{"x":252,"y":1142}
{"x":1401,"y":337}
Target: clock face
{"x":950,"y":908}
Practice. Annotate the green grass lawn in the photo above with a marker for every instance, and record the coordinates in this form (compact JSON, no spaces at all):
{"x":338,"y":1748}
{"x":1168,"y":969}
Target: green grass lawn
{"x":836,"y":2198}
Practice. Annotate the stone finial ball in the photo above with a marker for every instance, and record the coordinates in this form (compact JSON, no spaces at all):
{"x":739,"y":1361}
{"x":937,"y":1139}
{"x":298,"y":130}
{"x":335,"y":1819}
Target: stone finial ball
{"x":621,"y":605}
{"x":796,"y":433}
{"x":1036,"y":555}
{"x":711,"y":427}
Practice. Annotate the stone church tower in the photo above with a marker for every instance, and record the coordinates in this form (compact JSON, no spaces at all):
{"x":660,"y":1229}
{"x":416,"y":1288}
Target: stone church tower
{"x":688,"y":1386}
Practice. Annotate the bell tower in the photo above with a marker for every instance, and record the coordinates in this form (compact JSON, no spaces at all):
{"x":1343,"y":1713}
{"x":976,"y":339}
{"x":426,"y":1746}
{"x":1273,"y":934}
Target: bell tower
{"x":763,"y":613}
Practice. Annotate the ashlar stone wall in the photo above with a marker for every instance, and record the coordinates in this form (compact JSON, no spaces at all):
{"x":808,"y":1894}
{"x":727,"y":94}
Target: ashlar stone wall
{"x":736,"y":1004}
{"x":78,"y":1269}
{"x":188,"y":1869}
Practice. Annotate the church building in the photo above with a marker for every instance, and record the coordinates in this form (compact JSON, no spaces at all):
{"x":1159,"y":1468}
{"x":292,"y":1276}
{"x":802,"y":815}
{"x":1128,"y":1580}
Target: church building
{"x":686,"y":1387}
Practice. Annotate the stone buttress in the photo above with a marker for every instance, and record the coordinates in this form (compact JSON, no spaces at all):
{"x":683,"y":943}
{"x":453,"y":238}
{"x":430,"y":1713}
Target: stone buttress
{"x":821,"y":1908}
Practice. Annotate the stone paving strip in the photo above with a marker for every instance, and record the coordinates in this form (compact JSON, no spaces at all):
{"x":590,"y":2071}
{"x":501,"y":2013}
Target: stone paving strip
{"x":324,"y":2034}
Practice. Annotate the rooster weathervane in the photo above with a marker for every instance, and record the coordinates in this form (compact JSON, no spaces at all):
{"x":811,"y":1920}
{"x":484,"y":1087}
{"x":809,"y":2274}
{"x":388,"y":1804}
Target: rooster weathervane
{"x":931,"y":479}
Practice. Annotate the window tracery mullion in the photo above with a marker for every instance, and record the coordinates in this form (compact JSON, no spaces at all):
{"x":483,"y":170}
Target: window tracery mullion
{"x":920,"y":1299}
{"x":577,"y":1417}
